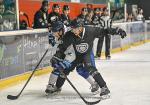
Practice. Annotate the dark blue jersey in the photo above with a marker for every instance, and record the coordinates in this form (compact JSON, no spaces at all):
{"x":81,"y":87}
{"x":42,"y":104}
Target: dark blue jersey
{"x":82,"y":44}
{"x":40,"y":19}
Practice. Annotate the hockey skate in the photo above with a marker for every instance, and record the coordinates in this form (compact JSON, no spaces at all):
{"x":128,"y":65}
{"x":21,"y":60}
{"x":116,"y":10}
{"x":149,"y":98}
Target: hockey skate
{"x":52,"y":90}
{"x":105,"y":93}
{"x":95,"y":88}
{"x":108,"y":57}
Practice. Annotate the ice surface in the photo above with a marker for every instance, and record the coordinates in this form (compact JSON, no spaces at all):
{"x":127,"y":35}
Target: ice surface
{"x":127,"y":75}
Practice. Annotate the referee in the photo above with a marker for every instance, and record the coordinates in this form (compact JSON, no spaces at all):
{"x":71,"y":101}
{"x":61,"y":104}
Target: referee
{"x":106,"y":23}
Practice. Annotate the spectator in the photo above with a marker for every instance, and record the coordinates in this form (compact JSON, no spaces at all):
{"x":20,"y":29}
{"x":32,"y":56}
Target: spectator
{"x":130,"y":17}
{"x":9,"y":18}
{"x":118,"y":15}
{"x":2,"y":9}
{"x":41,"y":16}
{"x":140,"y":16}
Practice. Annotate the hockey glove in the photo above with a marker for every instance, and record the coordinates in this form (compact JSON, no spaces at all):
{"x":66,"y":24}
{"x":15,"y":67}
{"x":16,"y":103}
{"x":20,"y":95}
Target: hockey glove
{"x":121,"y":32}
{"x":65,"y":64}
{"x":51,"y":39}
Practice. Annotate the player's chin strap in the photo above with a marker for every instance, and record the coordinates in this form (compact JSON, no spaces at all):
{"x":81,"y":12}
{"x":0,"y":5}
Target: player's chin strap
{"x":85,"y":101}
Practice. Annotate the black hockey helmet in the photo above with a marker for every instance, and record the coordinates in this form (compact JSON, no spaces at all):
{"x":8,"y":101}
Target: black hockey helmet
{"x":55,"y":6}
{"x":57,"y":26}
{"x":44,"y":3}
{"x":76,"y":23}
{"x":66,"y":7}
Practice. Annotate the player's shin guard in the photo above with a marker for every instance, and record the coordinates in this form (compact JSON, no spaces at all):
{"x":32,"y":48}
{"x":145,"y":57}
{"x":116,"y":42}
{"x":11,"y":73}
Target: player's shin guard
{"x":60,"y":82}
{"x":53,"y":78}
{"x":98,"y":78}
{"x":51,"y":83}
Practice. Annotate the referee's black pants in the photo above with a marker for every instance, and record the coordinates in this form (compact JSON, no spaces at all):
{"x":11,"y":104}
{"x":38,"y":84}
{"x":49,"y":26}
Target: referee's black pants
{"x":107,"y":45}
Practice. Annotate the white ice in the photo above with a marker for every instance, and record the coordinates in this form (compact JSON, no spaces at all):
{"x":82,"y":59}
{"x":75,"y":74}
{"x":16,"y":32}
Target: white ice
{"x":127,"y":75}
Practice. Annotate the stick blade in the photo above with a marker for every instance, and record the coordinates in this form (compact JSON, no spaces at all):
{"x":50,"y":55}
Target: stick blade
{"x":12,"y":97}
{"x":92,"y":103}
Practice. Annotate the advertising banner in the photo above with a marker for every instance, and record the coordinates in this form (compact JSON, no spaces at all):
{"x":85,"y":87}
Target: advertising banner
{"x":20,"y":54}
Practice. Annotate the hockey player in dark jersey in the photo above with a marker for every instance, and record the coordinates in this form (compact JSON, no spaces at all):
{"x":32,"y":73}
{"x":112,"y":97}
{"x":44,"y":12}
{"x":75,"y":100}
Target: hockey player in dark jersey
{"x":88,"y":18}
{"x":65,"y":16}
{"x":58,"y":30}
{"x":83,"y":15}
{"x":82,"y":40}
{"x":41,"y":16}
{"x":55,"y":14}
{"x":96,"y":17}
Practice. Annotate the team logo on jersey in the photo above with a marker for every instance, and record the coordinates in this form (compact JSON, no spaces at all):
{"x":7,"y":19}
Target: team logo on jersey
{"x":53,"y":18}
{"x":82,"y":48}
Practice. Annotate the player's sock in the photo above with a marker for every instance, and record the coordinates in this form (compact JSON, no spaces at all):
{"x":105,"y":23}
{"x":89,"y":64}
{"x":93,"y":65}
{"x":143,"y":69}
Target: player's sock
{"x":52,"y":78}
{"x":90,"y":79}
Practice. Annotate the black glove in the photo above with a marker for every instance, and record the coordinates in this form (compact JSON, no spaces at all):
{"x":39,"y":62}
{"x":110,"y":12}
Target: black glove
{"x":62,"y":63}
{"x":51,"y":39}
{"x":121,"y":32}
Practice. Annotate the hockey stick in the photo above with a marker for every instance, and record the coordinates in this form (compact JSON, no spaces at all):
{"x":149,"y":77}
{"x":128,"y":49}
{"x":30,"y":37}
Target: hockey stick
{"x":85,"y":101}
{"x":12,"y":97}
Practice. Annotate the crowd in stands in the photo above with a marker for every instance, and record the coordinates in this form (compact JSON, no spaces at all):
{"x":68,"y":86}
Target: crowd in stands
{"x":138,"y":16}
{"x":7,"y":16}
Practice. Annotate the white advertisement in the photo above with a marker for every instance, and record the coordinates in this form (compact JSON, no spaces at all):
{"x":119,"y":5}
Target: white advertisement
{"x":78,"y":1}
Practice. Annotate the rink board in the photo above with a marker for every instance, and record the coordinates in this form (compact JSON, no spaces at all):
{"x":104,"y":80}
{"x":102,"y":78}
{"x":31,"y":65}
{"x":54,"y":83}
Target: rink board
{"x":21,"y":50}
